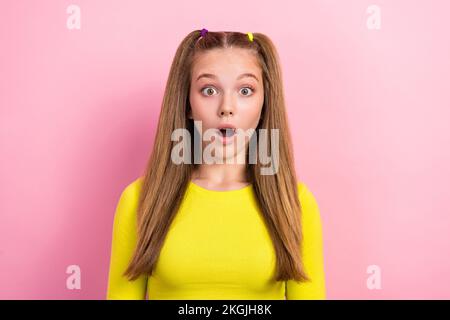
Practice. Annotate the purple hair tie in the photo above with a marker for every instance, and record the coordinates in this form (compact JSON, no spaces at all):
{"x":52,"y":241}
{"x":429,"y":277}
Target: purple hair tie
{"x":203,"y":32}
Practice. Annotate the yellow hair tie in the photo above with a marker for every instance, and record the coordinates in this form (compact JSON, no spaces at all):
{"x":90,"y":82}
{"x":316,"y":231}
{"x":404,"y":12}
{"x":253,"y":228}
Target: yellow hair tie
{"x":250,"y":36}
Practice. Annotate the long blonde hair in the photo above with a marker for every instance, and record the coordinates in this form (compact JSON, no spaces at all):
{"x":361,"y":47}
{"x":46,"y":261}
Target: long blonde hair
{"x":164,"y":182}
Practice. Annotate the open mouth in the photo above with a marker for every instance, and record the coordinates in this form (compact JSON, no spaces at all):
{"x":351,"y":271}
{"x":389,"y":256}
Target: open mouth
{"x":227,"y":132}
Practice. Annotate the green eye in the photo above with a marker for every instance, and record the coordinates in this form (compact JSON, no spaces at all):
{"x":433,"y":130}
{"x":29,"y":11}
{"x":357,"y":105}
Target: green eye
{"x":206,"y":88}
{"x":209,"y":91}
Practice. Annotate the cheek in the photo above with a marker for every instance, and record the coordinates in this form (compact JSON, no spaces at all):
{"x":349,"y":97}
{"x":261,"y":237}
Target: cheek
{"x":202,"y":109}
{"x":196,"y":104}
{"x":252,"y":114}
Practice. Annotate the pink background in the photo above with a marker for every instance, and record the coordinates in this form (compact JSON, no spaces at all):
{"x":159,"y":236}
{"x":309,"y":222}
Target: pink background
{"x":369,"y":111}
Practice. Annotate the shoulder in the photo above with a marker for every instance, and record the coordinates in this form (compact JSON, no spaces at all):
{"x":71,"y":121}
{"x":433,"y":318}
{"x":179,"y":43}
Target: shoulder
{"x":304,"y":192}
{"x":129,"y":198}
{"x":309,"y":206}
{"x":134,"y":187}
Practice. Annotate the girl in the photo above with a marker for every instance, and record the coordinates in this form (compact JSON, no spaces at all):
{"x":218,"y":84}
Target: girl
{"x":196,"y":229}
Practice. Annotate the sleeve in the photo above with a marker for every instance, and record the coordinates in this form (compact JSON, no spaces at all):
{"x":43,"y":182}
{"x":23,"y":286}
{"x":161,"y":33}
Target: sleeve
{"x":124,"y":238}
{"x":312,"y":247}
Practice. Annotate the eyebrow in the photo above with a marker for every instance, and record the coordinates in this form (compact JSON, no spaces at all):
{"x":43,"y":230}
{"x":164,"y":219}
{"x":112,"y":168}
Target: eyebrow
{"x":210,"y":75}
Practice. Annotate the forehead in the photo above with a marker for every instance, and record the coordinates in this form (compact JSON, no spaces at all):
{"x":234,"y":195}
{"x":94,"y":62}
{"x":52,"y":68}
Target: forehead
{"x":226,"y":62}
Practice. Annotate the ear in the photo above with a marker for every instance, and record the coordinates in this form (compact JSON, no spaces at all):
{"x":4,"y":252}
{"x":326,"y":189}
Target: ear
{"x":189,"y":114}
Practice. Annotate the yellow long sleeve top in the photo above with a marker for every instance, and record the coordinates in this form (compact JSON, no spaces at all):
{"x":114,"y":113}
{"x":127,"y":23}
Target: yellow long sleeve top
{"x":217,"y":247}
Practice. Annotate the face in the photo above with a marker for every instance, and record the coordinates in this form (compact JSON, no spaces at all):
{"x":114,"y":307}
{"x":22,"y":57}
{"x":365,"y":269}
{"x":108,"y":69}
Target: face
{"x":226,"y":88}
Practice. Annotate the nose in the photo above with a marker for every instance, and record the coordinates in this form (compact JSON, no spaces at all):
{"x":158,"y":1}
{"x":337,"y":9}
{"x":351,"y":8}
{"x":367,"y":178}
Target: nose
{"x":226,"y":113}
{"x":226,"y":108}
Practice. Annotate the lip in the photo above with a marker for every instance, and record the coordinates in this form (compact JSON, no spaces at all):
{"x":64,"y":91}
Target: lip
{"x":226,"y":125}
